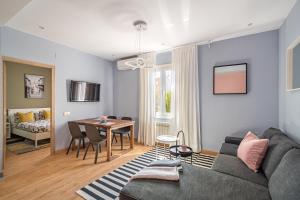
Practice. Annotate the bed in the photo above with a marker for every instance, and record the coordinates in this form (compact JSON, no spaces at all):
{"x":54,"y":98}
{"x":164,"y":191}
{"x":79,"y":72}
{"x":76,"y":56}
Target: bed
{"x":37,"y":130}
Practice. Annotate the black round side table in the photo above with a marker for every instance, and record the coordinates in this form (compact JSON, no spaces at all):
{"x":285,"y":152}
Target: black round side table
{"x":181,"y":150}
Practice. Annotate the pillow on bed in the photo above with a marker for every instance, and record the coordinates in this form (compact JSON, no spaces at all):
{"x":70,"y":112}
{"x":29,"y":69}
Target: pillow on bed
{"x":41,"y":115}
{"x":26,"y":117}
{"x":36,"y":116}
{"x":16,"y":118}
{"x":47,"y":114}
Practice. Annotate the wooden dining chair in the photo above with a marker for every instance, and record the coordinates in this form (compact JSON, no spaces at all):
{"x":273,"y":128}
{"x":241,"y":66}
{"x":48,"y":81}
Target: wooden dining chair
{"x":121,"y":132}
{"x":95,"y":139}
{"x":76,"y":134}
{"x":111,"y":117}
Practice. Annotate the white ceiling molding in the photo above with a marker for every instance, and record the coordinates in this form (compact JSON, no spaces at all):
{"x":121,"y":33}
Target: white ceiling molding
{"x":250,"y":31}
{"x":104,"y":28}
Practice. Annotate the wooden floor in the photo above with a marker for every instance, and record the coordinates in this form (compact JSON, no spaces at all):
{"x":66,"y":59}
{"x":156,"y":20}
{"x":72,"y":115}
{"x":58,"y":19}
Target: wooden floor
{"x":37,"y":175}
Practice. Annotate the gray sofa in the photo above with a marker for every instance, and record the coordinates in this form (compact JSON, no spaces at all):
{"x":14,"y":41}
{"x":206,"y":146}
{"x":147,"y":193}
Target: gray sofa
{"x":230,"y":178}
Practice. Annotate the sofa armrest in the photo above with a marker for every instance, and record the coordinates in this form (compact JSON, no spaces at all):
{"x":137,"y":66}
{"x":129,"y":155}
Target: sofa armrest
{"x":233,"y":140}
{"x":229,"y":149}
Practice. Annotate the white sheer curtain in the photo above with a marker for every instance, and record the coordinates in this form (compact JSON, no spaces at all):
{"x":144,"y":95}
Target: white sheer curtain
{"x":147,"y":133}
{"x":187,"y":111}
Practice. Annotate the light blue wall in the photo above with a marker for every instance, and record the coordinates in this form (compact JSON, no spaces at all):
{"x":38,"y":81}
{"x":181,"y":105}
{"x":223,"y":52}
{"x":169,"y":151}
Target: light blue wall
{"x":70,"y":64}
{"x":126,"y":94}
{"x":164,"y":58}
{"x":289,"y":102}
{"x":223,"y":115}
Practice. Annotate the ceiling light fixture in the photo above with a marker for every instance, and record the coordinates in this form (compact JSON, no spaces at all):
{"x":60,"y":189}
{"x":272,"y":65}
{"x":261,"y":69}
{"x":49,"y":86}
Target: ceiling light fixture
{"x":250,"y":24}
{"x":139,"y":62}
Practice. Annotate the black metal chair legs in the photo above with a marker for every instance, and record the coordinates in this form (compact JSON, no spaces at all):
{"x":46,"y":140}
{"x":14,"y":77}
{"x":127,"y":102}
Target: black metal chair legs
{"x":121,"y":138}
{"x":98,"y":149}
{"x":80,"y":140}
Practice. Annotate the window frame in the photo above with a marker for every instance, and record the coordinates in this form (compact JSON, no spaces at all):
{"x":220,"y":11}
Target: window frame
{"x":164,"y":114}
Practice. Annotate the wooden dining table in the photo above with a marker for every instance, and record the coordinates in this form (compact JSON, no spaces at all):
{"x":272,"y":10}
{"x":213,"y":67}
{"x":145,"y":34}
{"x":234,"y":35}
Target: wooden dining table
{"x":110,"y":125}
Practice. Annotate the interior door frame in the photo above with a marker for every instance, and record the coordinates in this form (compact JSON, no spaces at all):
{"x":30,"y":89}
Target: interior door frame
{"x":3,"y":61}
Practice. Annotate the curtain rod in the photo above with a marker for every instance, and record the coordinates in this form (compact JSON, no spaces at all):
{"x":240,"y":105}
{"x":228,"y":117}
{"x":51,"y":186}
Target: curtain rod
{"x":248,"y":31}
{"x":184,"y":45}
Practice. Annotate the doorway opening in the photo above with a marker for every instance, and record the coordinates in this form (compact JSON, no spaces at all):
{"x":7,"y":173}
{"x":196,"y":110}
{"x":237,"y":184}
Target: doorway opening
{"x":28,"y":108}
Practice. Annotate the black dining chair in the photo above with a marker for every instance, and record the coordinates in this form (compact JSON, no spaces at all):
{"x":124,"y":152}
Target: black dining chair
{"x":121,"y":132}
{"x":76,"y":134}
{"x":95,"y":139}
{"x":103,"y":129}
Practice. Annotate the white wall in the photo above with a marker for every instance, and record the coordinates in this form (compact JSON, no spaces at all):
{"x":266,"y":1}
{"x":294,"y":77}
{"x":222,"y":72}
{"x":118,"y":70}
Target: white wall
{"x":70,"y":64}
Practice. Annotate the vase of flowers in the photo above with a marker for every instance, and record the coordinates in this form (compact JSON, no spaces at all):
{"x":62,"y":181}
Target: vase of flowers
{"x":103,"y":119}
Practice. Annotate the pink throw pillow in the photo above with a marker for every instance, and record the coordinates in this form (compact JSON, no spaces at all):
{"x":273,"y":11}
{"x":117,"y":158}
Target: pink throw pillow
{"x":252,"y":150}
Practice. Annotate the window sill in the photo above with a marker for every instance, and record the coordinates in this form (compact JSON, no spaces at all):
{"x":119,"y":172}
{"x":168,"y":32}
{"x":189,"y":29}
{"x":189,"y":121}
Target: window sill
{"x":163,"y":118}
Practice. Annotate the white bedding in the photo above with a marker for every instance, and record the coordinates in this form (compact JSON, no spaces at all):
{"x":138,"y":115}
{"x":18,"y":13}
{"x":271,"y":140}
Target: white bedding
{"x":38,"y":126}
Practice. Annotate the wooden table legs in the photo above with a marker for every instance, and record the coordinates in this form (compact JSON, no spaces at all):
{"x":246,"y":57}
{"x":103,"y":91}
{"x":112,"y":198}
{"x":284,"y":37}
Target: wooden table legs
{"x":108,"y":135}
{"x":131,"y":136}
{"x":109,"y":138}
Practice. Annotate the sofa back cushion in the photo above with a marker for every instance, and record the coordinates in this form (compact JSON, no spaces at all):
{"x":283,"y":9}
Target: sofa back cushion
{"x":285,"y":182}
{"x":278,"y":146}
{"x":270,"y":132}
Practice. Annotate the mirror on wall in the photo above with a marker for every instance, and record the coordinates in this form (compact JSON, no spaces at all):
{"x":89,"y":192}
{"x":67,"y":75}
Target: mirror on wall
{"x":293,"y":66}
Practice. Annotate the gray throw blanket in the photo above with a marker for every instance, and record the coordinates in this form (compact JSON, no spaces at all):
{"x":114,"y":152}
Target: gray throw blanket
{"x":166,"y":163}
{"x":161,"y":173}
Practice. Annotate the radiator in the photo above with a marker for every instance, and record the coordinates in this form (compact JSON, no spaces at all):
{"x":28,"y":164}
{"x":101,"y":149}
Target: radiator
{"x":162,"y":128}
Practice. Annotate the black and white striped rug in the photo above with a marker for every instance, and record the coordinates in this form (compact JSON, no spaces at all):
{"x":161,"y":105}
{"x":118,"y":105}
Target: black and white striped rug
{"x":109,"y":186}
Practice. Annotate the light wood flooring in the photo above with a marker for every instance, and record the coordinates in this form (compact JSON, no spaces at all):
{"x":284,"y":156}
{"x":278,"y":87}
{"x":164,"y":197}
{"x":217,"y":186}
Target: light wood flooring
{"x":37,"y":175}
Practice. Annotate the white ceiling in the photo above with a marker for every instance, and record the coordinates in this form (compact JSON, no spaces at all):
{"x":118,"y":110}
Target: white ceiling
{"x":104,"y":27}
{"x":8,"y":8}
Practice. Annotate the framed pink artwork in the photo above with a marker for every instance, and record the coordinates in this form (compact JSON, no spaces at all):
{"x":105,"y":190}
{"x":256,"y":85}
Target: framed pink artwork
{"x":230,"y":79}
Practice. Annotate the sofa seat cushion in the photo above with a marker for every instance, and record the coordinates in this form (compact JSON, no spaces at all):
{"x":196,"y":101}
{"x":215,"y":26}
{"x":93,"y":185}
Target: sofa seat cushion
{"x":229,"y":149}
{"x":195,"y":183}
{"x":278,"y":146}
{"x":285,"y":182}
{"x":235,"y":167}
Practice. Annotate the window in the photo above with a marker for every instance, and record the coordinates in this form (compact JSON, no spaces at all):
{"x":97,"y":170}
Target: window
{"x":164,"y":91}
